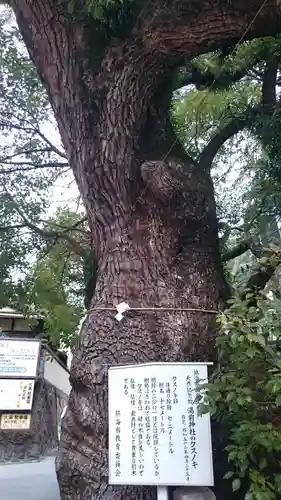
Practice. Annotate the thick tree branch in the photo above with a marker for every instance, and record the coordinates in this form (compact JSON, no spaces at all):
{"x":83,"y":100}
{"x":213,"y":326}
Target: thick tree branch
{"x":11,"y":227}
{"x":183,"y":32}
{"x":73,"y":227}
{"x":269,"y":98}
{"x":249,"y":243}
{"x":234,"y":126}
{"x":34,"y":130}
{"x":222,"y":72}
{"x":25,"y":152}
{"x":53,"y":235}
{"x":267,"y":106}
{"x":264,"y":271}
{"x":88,"y":99}
{"x":232,"y":20}
{"x":218,"y":80}
{"x":202,"y":79}
{"x":260,"y":278}
{"x":238,"y":250}
{"x":5,"y":171}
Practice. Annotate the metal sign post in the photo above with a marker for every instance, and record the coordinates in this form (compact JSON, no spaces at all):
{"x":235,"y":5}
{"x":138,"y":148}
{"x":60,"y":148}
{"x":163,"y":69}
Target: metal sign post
{"x":162,"y":493}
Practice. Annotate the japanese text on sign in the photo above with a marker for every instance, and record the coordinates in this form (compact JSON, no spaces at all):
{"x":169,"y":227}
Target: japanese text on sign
{"x":19,"y":358}
{"x":16,"y":394}
{"x":156,"y":435}
{"x":16,"y":421}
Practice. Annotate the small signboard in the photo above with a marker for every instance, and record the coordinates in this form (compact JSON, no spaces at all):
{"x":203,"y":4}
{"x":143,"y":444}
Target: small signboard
{"x":156,"y":434}
{"x":18,"y":358}
{"x":16,"y":421}
{"x":16,"y":394}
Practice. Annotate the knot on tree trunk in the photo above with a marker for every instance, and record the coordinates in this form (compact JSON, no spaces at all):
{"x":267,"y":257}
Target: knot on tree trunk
{"x":162,"y":177}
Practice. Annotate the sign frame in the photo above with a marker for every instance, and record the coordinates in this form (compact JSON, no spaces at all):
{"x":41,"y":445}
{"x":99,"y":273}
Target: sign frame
{"x":19,"y":374}
{"x":27,"y":416}
{"x":139,"y":481}
{"x":15,"y":385}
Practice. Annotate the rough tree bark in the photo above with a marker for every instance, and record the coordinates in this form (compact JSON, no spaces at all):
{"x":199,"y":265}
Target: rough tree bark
{"x":151,"y":209}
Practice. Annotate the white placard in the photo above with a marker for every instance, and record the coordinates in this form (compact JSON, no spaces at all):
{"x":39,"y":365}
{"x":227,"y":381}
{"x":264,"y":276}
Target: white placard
{"x":16,"y":421}
{"x":156,"y":435}
{"x":16,"y":394}
{"x":19,"y":358}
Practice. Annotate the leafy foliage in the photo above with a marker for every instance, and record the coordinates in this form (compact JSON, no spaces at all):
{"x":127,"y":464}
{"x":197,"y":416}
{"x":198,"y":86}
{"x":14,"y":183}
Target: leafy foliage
{"x":110,"y":17}
{"x":40,"y":272}
{"x":55,"y":285}
{"x":269,"y":132}
{"x":199,"y":114}
{"x":56,"y":293}
{"x":244,"y":390}
{"x":29,"y":162}
{"x":101,"y":9}
{"x":220,"y":70}
{"x":245,"y":170}
{"x":244,"y":393}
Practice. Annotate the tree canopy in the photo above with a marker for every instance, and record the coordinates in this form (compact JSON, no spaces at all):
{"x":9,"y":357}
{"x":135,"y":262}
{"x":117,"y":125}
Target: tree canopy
{"x":217,"y":96}
{"x":222,"y":95}
{"x":38,"y":252}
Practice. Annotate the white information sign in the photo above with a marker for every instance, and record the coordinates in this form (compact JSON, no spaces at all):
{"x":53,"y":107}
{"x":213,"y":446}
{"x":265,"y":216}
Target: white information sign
{"x":19,"y":358}
{"x":156,"y":434}
{"x":16,"y":394}
{"x":10,"y":421}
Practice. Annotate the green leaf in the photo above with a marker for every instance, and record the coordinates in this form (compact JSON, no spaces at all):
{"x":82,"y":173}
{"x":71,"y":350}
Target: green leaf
{"x":228,"y":475}
{"x":257,"y":338}
{"x":278,"y":400}
{"x":263,"y":463}
{"x":236,"y":484}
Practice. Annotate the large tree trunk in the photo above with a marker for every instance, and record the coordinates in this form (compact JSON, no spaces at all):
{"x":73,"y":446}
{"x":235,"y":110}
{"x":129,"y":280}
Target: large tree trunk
{"x":151,"y":210}
{"x":167,"y":257}
{"x":161,"y":251}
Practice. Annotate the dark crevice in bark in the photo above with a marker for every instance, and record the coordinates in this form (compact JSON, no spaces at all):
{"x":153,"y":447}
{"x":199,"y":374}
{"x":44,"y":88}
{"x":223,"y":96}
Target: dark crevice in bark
{"x":158,"y":139}
{"x":90,"y":275}
{"x":269,"y":86}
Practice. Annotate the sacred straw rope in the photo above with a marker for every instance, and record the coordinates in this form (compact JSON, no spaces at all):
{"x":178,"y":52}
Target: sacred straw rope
{"x":156,"y":309}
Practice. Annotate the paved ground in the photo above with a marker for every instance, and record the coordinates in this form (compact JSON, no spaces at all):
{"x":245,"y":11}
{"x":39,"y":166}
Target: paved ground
{"x":29,"y":481}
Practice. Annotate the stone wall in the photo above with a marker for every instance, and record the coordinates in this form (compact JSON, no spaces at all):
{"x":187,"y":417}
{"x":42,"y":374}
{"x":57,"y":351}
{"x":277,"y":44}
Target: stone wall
{"x":42,"y":437}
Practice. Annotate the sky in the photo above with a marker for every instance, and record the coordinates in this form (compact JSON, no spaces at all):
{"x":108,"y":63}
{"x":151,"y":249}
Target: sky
{"x":64,"y":190}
